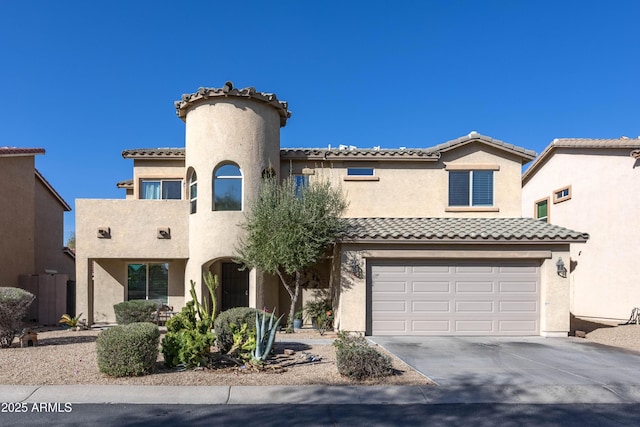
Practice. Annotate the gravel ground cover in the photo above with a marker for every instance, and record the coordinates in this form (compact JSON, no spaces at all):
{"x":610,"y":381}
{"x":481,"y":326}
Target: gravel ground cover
{"x":68,"y":357}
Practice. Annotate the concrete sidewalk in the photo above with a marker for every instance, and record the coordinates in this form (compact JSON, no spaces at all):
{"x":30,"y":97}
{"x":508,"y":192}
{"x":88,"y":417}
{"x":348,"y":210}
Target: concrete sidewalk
{"x":320,"y":395}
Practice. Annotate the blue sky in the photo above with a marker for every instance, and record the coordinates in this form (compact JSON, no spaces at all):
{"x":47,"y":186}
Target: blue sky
{"x":88,"y":79}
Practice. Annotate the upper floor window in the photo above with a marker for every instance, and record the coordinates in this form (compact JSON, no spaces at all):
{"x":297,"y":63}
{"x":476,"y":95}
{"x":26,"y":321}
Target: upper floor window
{"x":541,"y":212}
{"x":300,"y":181}
{"x":562,"y":194}
{"x":360,"y":171}
{"x":227,"y":188}
{"x":471,"y":188}
{"x":193,"y":192}
{"x":165,"y":189}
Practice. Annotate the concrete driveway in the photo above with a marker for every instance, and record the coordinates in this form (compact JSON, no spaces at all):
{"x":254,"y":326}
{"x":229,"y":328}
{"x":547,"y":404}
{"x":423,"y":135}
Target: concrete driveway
{"x":516,"y":361}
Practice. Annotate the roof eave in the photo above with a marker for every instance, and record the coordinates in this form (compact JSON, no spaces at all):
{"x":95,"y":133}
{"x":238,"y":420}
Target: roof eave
{"x":405,"y":240}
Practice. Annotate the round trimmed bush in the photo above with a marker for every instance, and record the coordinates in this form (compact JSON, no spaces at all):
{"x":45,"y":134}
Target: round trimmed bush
{"x":238,"y":316}
{"x":128,"y":350}
{"x":14,"y":303}
{"x":133,"y":311}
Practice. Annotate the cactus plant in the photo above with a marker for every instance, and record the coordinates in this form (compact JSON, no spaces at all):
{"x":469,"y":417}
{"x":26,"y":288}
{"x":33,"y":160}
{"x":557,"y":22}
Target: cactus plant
{"x":265,"y":336}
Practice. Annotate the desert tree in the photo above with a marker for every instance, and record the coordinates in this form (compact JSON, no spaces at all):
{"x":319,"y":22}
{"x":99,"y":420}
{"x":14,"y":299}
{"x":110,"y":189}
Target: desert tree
{"x":289,"y":229}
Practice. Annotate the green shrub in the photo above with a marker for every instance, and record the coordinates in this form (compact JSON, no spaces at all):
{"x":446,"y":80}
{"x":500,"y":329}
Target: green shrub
{"x":237,"y":316}
{"x":135,"y":311}
{"x":14,"y":303}
{"x":189,"y":333}
{"x":128,"y":350}
{"x":356,"y":359}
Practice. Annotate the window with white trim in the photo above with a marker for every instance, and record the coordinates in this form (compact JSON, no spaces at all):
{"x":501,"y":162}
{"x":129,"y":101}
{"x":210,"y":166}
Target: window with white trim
{"x":193,"y":192}
{"x":227,"y":188}
{"x":471,"y":188}
{"x":541,"y":212}
{"x":161,"y":189}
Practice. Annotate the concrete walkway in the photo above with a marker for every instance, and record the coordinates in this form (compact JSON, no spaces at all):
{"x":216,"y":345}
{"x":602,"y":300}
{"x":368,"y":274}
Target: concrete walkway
{"x":319,"y":395}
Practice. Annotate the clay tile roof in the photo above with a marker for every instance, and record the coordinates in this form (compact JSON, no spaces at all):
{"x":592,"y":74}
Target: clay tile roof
{"x":228,"y":90}
{"x":588,"y":143}
{"x":472,"y":230}
{"x":148,"y":153}
{"x":125,"y":184}
{"x":358,"y":154}
{"x":15,"y":151}
{"x":527,"y":155}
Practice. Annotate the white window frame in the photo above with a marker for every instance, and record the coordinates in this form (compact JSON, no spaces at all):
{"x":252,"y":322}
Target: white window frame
{"x":470,"y":203}
{"x":161,"y":181}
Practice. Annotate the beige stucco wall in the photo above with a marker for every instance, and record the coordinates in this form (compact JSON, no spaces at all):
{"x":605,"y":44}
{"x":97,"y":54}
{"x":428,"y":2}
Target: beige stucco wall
{"x":49,"y":235}
{"x":17,"y":218}
{"x":133,"y":225}
{"x":603,"y":203}
{"x":351,"y":314}
{"x":218,"y":131}
{"x":418,"y":188}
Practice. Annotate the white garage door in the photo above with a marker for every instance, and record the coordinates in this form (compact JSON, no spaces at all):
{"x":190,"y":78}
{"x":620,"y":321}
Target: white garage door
{"x":455,"y":298}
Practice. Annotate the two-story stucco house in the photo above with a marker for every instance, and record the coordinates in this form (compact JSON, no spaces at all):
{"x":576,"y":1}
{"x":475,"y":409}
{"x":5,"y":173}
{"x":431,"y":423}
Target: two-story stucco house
{"x":591,"y":184}
{"x":31,"y":230}
{"x":435,"y":243}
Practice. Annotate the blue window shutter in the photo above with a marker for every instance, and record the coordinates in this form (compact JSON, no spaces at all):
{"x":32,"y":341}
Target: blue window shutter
{"x":459,"y":188}
{"x":482,"y":188}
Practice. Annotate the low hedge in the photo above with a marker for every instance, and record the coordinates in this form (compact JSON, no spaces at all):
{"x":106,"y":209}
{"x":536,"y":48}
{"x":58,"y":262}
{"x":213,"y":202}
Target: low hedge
{"x":128,"y":350}
{"x":356,"y":359}
{"x":14,"y":303}
{"x":135,"y":311}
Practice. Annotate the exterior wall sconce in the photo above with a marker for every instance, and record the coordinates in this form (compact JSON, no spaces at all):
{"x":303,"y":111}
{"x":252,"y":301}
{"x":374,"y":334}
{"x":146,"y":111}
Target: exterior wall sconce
{"x":164,"y":233}
{"x":562,"y":270}
{"x":104,"y":232}
{"x":355,"y":269}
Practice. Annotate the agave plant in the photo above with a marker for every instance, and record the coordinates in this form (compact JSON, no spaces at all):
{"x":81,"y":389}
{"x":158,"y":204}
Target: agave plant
{"x":265,"y":336}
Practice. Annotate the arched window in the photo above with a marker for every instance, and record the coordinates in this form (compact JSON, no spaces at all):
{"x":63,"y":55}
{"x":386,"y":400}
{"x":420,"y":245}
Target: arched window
{"x":227,"y":188}
{"x":193,"y":192}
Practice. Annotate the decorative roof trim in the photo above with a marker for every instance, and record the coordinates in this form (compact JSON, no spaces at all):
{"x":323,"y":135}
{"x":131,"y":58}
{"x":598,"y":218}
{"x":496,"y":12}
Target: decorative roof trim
{"x":581,"y":143}
{"x":17,"y":152}
{"x":358,"y":154}
{"x":204,"y":93}
{"x":55,"y":194}
{"x":526,"y":155}
{"x":154,"y":153}
{"x":128,"y":184}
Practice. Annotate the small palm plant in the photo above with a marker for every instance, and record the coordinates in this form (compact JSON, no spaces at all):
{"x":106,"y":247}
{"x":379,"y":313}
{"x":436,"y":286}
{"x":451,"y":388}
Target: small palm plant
{"x":72,"y":321}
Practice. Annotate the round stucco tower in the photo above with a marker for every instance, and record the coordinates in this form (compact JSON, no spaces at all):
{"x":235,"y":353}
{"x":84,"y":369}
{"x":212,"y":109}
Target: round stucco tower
{"x":232,"y":139}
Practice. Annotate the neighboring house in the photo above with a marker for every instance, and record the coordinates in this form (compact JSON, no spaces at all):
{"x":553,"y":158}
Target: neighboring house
{"x":592,"y":185}
{"x":435,"y":242}
{"x":31,"y":224}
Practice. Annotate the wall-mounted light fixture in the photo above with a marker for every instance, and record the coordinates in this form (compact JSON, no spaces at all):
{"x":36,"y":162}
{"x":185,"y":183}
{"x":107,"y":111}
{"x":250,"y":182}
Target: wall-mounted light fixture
{"x":164,"y":233}
{"x":104,"y":232}
{"x":354,"y":267}
{"x":562,"y":270}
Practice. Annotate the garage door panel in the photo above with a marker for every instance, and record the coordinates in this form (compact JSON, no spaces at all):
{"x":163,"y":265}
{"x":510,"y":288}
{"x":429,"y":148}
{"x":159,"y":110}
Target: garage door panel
{"x":518,"y":306}
{"x":431,"y":307}
{"x":473,"y":287}
{"x":429,"y":327}
{"x":451,"y":297}
{"x":390,"y":306}
{"x":431,"y":287}
{"x":518,"y":287}
{"x":474,"y":306}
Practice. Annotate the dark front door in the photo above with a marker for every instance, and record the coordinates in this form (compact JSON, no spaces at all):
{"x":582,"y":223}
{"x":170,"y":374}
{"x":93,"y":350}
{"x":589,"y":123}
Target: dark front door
{"x":235,"y":286}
